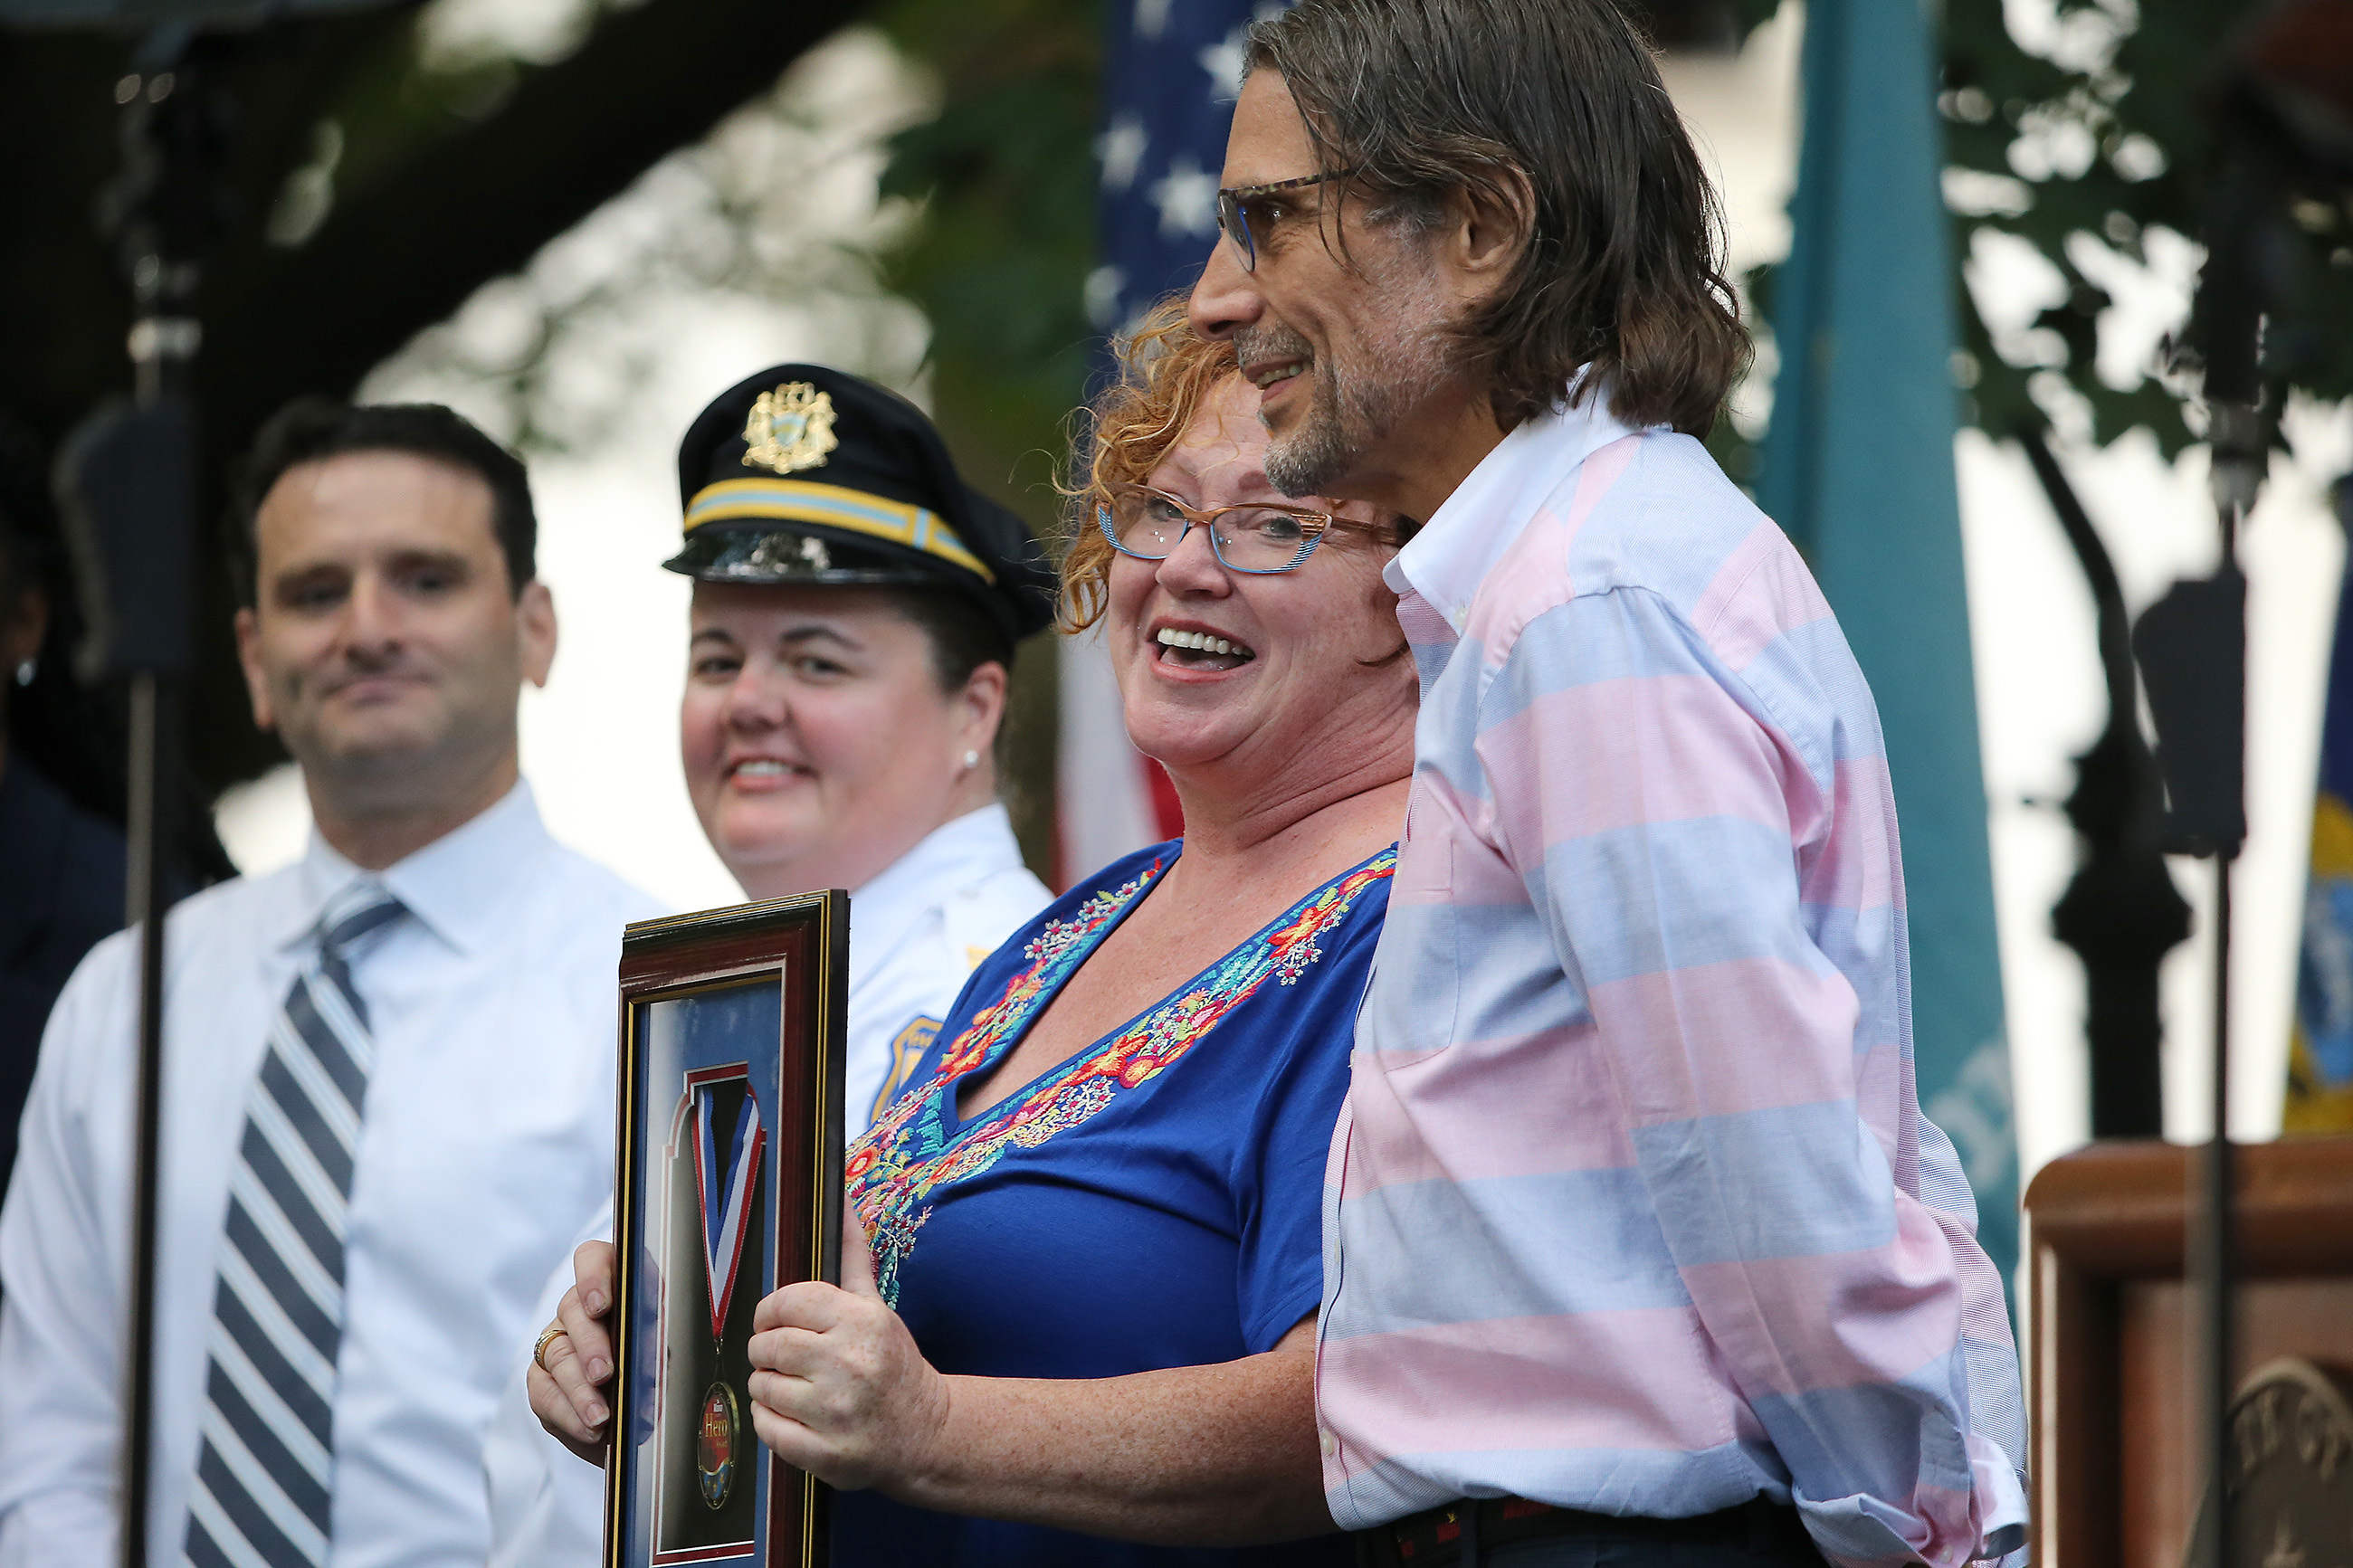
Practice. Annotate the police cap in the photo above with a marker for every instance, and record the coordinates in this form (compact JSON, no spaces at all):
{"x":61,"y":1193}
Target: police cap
{"x":807,"y":475}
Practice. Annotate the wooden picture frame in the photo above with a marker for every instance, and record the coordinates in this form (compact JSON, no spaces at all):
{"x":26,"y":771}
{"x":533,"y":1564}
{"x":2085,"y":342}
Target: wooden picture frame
{"x":728,"y":1184}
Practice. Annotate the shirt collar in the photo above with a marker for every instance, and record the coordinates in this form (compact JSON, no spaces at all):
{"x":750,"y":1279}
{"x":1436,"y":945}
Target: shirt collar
{"x":953,"y":856}
{"x":457,"y":887}
{"x":1446,"y":561}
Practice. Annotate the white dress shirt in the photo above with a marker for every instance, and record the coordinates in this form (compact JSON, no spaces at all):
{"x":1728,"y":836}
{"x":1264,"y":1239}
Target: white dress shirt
{"x":486,"y":1143}
{"x":917,"y":930}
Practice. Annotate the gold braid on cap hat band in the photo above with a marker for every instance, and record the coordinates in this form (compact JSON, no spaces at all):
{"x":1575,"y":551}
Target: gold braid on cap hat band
{"x":854,"y":511}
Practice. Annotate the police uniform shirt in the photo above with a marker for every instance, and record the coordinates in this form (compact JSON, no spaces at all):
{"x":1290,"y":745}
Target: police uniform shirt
{"x":485,"y":1144}
{"x":916,"y":930}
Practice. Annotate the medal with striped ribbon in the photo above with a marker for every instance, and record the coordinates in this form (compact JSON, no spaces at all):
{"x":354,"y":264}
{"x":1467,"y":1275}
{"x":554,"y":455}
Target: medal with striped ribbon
{"x":723,"y":1194}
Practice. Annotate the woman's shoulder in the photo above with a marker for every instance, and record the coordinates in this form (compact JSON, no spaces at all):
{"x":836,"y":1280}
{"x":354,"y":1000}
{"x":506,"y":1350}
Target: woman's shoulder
{"x":1089,"y":904}
{"x":1093,"y":898}
{"x":1325,"y":940}
{"x":1356,"y":898}
{"x":1137,"y":866}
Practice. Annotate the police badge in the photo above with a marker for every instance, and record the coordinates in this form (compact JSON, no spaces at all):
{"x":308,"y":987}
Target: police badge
{"x":789,"y":430}
{"x":728,"y":1185}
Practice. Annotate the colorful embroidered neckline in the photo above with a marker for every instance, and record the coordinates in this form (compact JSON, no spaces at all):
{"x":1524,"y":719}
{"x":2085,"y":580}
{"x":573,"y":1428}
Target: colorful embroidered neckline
{"x":918,"y":1147}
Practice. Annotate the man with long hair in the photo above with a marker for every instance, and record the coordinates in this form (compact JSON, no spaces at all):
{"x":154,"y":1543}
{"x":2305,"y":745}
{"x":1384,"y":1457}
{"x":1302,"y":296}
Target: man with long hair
{"x":1636,"y":1237}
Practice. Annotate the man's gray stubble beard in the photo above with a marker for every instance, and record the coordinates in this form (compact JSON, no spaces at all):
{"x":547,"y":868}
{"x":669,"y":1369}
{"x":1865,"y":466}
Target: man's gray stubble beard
{"x":1351,"y":413}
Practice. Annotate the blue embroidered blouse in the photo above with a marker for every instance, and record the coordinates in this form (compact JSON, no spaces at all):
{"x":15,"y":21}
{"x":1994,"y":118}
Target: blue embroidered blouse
{"x":1155,"y":1202}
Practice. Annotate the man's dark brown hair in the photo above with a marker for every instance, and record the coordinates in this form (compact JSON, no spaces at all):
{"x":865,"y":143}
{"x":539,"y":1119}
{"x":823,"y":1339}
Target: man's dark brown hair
{"x":1556,"y":102}
{"x":312,"y":429}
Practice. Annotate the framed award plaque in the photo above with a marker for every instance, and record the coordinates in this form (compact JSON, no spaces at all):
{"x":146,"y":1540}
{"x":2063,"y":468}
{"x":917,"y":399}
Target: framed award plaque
{"x":728,"y":1184}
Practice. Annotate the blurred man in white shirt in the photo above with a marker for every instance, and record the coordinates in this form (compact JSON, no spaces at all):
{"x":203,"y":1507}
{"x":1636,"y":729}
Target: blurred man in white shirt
{"x":388,"y":1076}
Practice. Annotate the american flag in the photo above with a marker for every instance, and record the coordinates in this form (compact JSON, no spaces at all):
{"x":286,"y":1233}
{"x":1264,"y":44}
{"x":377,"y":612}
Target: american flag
{"x":1171,"y":69}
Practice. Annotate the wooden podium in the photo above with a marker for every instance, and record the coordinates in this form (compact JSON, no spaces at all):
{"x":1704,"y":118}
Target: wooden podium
{"x":2113,"y":1328}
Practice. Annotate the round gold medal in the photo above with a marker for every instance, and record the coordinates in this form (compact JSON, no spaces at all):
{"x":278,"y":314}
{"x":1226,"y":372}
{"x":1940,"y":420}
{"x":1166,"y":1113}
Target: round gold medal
{"x":714,"y":1449}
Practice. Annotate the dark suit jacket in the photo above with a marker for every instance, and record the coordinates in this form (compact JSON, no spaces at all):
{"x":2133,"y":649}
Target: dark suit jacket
{"x":61,"y":873}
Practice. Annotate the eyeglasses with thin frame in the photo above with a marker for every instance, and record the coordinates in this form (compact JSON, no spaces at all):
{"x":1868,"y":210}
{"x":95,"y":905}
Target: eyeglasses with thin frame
{"x":1257,"y":539}
{"x":1235,"y":218}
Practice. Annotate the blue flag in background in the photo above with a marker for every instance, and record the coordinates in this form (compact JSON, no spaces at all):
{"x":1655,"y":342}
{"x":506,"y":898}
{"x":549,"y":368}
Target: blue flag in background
{"x":1859,"y":469}
{"x":1171,"y":69}
{"x":2320,"y":1049}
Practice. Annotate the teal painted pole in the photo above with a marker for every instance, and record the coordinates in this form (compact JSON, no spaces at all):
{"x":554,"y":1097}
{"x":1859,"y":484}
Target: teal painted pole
{"x":1859,"y":469}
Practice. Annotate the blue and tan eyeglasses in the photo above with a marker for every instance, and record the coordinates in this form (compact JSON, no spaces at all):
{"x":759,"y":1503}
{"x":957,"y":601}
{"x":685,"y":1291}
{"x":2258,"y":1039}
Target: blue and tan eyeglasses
{"x":1246,"y":218}
{"x":1258,"y":539}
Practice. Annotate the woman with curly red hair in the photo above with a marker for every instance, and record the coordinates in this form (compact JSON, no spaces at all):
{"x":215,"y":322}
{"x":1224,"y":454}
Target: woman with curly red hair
{"x":1087,"y":1333}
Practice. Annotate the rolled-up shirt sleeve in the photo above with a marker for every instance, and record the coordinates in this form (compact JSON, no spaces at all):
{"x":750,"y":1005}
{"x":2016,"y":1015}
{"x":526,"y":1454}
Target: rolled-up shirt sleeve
{"x":1713,"y":853}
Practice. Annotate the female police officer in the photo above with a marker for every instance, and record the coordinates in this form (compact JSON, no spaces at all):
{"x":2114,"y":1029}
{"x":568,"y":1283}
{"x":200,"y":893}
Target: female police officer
{"x":856,"y":609}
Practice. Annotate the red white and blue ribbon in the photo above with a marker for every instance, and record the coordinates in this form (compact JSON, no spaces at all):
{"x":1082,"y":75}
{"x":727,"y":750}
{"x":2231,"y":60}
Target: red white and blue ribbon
{"x":726,"y":1199}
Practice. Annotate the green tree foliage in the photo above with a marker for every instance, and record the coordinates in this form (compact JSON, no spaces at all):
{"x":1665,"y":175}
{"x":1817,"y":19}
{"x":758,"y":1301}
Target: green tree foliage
{"x":2090,"y":155}
{"x":2094,"y":147}
{"x":1000,"y":262}
{"x":377,"y":170}
{"x":1006,"y":175}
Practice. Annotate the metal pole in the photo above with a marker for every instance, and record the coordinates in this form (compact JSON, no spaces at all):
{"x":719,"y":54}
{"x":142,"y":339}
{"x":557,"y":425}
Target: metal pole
{"x":2220,"y":1260}
{"x":152,"y":741}
{"x":2238,"y":446}
{"x":166,"y":124}
{"x":2222,"y":1191}
{"x":2192,"y":647}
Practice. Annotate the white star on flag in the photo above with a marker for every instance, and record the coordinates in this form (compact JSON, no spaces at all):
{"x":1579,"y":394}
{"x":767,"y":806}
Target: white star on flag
{"x":1103,"y":286}
{"x":1120,"y":148}
{"x":1188,"y":198}
{"x":1224,"y":63}
{"x":1227,"y":62}
{"x":1172,"y":70}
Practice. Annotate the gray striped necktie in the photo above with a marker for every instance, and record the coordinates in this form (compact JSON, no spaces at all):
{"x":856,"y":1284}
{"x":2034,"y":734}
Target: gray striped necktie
{"x":266,"y":1468}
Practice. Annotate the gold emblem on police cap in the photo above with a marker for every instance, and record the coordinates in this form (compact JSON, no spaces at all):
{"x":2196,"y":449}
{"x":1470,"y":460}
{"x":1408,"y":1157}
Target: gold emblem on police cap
{"x":790,"y":429}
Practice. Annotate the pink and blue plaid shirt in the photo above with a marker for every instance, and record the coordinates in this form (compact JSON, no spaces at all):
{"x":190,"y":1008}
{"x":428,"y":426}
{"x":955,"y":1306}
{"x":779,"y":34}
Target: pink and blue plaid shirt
{"x":1632,"y":1207}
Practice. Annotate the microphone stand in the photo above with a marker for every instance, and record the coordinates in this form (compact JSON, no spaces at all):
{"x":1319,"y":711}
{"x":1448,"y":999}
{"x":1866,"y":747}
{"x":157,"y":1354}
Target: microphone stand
{"x":2192,"y":646}
{"x":126,"y":484}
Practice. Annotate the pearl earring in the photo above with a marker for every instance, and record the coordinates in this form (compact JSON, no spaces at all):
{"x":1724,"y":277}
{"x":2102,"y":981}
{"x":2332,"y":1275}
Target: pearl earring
{"x":25,"y":672}
{"x":971,"y":761}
